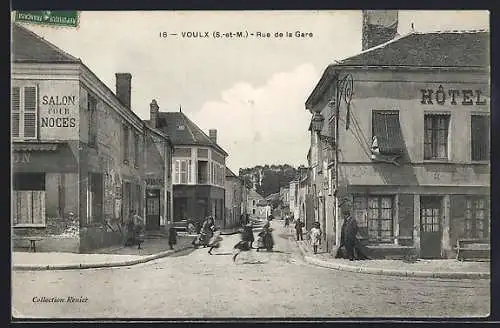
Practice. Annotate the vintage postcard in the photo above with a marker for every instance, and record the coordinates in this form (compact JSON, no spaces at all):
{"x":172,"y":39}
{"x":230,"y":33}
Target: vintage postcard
{"x":223,"y":165}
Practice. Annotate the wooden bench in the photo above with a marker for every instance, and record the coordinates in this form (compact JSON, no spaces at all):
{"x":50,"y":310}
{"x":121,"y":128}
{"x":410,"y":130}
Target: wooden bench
{"x":475,"y":249}
{"x":32,"y":241}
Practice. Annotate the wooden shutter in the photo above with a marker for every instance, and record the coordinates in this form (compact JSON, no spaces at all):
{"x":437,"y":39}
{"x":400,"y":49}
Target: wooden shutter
{"x":15,"y":111}
{"x":30,"y":112}
{"x":38,"y":207}
{"x":26,"y":207}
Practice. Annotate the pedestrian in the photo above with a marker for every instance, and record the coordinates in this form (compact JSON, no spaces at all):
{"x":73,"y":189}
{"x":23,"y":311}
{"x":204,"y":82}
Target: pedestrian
{"x":245,"y":244}
{"x":349,"y":239}
{"x":315,"y":234}
{"x":287,"y":221}
{"x":298,"y":229}
{"x":214,"y":241}
{"x":172,"y":237}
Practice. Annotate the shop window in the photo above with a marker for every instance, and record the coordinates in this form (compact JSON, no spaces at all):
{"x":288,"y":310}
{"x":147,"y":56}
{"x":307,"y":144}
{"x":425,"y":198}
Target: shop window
{"x":92,"y":113}
{"x":436,"y":136}
{"x":480,"y":137}
{"x":28,"y":198}
{"x":94,"y":198}
{"x":375,"y":217}
{"x":477,"y":219}
{"x":202,"y":172}
{"x":24,"y":112}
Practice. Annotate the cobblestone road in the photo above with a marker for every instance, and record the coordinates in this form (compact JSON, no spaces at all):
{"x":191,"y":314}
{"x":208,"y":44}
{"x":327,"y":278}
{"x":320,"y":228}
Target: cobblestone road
{"x":277,"y":284}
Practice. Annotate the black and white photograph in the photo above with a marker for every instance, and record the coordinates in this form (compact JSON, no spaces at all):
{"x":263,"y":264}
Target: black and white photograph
{"x":229,"y":165}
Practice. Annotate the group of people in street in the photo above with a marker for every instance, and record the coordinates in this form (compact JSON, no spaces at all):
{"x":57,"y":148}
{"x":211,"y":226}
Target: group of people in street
{"x":265,"y":238}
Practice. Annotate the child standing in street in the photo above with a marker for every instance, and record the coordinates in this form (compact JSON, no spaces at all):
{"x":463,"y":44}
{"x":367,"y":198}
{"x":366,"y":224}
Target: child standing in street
{"x":172,"y":237}
{"x":315,"y":234}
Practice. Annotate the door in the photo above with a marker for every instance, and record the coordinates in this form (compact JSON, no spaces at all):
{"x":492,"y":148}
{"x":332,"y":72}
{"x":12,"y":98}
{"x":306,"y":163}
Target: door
{"x":153,"y":209}
{"x":430,"y":227}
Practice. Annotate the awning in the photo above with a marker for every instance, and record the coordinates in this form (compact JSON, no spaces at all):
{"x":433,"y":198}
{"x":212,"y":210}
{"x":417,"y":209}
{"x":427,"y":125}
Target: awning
{"x":387,"y":129}
{"x":34,"y":146}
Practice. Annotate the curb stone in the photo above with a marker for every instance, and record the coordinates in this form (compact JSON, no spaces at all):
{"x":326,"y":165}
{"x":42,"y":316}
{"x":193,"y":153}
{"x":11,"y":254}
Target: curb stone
{"x":79,"y":266}
{"x":391,"y":272}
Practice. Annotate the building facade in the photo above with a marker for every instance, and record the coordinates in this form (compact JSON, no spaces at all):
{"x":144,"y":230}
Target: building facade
{"x":413,"y":143}
{"x":77,"y":150}
{"x":198,"y":167}
{"x":257,"y":207}
{"x":234,"y":199}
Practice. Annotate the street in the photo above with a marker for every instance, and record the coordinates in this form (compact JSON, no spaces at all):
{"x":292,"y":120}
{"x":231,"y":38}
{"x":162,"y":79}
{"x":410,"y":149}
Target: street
{"x":259,"y":284}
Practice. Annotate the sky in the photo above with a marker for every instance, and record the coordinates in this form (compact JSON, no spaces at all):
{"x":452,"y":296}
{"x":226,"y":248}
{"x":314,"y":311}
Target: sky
{"x":252,"y":90}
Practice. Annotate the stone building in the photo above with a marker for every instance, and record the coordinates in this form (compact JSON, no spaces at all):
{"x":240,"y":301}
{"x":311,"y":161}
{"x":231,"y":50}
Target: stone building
{"x":198,"y":167}
{"x":234,"y":189}
{"x":256,"y":204}
{"x":413,"y":148}
{"x":77,"y":150}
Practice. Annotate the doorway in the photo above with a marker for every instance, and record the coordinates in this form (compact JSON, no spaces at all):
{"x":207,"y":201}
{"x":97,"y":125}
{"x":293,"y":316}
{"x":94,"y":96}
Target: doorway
{"x":153,"y":209}
{"x":430,"y":227}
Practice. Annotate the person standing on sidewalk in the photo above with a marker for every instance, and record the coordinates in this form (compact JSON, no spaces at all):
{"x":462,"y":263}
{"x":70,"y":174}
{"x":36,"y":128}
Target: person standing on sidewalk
{"x":172,"y":237}
{"x":287,"y":221}
{"x":298,"y":229}
{"x":315,"y":234}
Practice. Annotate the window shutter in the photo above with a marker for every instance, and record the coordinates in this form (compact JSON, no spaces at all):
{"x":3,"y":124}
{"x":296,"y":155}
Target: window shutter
{"x":39,"y":207}
{"x":15,"y":111}
{"x":30,"y":112}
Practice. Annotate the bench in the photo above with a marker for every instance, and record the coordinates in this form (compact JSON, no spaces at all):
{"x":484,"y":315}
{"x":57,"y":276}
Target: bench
{"x":475,"y":249}
{"x":32,"y":241}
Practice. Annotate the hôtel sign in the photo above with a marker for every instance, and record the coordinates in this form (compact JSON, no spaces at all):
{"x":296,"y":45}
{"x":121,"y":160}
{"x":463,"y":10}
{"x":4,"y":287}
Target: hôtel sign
{"x":440,"y":96}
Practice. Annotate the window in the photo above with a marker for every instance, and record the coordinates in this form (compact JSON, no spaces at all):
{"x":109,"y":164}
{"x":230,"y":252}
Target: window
{"x":476,"y":218}
{"x":387,"y":131}
{"x":202,"y":172}
{"x":253,"y":211}
{"x":436,"y":136}
{"x":253,"y":202}
{"x":125,"y":143}
{"x":24,"y":112}
{"x":480,"y":137}
{"x":182,"y":171}
{"x":136,"y":149}
{"x":94,"y":198}
{"x":92,"y":109}
{"x":375,"y":217}
{"x":28,"y":200}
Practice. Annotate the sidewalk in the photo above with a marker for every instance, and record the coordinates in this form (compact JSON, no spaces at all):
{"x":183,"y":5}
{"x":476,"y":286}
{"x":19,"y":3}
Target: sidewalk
{"x":446,"y":268}
{"x":114,"y":256}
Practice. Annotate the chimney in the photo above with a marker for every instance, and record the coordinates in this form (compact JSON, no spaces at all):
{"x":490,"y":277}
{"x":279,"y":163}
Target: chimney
{"x":379,"y":26}
{"x":212,"y":134}
{"x":153,"y":113}
{"x":123,"y":88}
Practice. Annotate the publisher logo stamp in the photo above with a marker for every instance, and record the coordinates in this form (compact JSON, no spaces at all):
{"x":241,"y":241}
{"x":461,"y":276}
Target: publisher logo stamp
{"x":47,"y":17}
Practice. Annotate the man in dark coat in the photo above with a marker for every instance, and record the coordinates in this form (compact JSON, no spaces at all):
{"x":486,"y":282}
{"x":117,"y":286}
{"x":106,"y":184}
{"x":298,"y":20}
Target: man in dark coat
{"x":298,"y":229}
{"x":348,"y":236}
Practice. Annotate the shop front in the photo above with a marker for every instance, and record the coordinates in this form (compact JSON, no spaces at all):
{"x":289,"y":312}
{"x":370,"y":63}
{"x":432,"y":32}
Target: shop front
{"x":45,"y":195}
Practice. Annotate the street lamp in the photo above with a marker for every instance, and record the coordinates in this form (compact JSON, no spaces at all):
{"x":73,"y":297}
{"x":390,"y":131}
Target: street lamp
{"x":317,"y":122}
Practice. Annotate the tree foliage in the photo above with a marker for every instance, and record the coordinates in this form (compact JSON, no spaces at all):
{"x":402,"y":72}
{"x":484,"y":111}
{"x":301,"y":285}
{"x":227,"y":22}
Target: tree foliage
{"x":269,"y":178}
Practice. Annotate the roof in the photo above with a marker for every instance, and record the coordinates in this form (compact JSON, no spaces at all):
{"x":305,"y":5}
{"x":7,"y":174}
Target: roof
{"x":27,"y":46}
{"x":442,"y":49}
{"x":183,"y":131}
{"x":435,"y":49}
{"x":230,"y":173}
